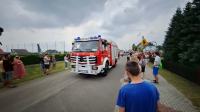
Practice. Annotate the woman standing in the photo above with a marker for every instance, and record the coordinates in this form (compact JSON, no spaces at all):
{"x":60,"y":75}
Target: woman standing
{"x":19,"y":70}
{"x":67,"y":60}
{"x":46,"y":64}
{"x":142,"y":64}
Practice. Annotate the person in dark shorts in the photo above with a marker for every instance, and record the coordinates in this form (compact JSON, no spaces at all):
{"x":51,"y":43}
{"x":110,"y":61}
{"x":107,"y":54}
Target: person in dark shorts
{"x":46,"y":64}
{"x":138,"y":95}
{"x":8,"y":67}
{"x":156,"y":64}
{"x":142,"y":63}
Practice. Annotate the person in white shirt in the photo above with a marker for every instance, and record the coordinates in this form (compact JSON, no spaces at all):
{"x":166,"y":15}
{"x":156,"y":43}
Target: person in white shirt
{"x":156,"y":64}
{"x":46,"y":64}
{"x":66,"y":59}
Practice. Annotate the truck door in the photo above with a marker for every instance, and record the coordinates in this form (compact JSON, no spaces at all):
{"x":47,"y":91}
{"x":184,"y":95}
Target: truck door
{"x":105,"y":51}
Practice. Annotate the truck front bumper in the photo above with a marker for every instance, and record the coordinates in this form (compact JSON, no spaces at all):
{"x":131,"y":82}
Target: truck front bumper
{"x":86,"y":69}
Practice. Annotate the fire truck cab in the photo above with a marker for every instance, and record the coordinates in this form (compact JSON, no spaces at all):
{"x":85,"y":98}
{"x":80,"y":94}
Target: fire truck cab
{"x":93,"y":55}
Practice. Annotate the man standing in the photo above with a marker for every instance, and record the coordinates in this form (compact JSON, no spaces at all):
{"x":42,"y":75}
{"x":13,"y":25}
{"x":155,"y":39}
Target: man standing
{"x":139,"y":95}
{"x":156,"y":64}
{"x":8,"y":67}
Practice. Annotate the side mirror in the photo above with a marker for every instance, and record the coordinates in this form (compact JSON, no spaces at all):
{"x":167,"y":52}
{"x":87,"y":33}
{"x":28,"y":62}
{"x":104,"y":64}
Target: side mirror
{"x":105,"y":43}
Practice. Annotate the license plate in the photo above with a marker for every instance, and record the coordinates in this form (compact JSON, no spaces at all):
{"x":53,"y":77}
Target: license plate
{"x":83,"y":71}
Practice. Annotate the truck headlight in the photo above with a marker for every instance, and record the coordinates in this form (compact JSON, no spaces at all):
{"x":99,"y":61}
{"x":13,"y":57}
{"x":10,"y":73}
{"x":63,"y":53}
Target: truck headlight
{"x":94,"y":67}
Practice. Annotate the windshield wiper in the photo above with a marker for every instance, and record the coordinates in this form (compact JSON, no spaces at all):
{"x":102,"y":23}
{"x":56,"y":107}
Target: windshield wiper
{"x":89,"y":50}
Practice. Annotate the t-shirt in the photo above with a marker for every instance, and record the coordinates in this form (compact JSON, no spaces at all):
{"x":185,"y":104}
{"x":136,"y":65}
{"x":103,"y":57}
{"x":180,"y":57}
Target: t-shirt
{"x":66,"y":59}
{"x":142,"y":62}
{"x":46,"y":60}
{"x":140,"y":97}
{"x":157,"y":61}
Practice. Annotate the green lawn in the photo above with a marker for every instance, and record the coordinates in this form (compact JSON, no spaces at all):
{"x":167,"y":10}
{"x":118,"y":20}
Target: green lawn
{"x":34,"y":71}
{"x":188,"y":88}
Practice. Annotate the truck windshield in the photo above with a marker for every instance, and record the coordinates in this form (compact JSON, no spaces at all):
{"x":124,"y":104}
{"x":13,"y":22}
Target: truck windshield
{"x":85,"y":46}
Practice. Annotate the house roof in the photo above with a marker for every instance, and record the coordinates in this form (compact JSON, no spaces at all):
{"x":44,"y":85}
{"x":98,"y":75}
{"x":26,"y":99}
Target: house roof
{"x":51,"y":51}
{"x":2,"y":52}
{"x":20,"y":51}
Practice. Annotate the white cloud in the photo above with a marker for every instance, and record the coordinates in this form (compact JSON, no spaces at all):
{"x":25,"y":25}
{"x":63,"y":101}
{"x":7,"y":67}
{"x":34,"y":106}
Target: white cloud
{"x":123,"y":21}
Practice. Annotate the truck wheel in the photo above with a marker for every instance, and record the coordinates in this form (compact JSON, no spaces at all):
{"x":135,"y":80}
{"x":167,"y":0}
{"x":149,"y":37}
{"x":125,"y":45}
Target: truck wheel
{"x":106,"y":69}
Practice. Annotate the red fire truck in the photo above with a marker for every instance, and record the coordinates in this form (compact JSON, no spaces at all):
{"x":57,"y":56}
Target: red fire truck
{"x":93,"y":55}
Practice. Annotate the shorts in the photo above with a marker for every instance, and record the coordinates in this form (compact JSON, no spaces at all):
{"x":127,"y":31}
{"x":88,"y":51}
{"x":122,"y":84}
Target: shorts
{"x":9,"y":75}
{"x":143,"y":68}
{"x":46,"y":66}
{"x":155,"y":71}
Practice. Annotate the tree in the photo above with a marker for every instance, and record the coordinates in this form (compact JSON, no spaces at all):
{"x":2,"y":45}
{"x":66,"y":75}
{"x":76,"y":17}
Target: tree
{"x":190,"y":34}
{"x":172,"y":36}
{"x":182,"y":40}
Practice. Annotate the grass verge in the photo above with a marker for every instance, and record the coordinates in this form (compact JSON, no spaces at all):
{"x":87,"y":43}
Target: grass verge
{"x":188,"y":88}
{"x":34,"y":71}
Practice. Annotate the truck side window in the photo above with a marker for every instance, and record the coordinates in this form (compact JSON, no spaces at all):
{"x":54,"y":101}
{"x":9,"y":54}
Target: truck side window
{"x":104,"y":46}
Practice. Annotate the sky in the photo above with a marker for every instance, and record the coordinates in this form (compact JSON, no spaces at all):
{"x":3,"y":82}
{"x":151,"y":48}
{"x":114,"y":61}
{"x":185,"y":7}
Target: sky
{"x":55,"y":23}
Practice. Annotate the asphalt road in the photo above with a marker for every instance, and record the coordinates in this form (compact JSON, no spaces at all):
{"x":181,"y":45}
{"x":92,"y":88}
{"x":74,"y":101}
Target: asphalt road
{"x":65,"y":92}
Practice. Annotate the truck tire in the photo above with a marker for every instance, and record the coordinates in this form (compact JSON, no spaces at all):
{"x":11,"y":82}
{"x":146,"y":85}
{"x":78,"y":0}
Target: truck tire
{"x":106,"y":69}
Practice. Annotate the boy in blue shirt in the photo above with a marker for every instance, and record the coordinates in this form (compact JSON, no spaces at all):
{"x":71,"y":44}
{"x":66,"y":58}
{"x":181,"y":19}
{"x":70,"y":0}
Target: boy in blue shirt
{"x":137,"y":96}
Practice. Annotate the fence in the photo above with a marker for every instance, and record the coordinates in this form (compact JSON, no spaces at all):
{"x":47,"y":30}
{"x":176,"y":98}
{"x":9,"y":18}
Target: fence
{"x":35,"y":59}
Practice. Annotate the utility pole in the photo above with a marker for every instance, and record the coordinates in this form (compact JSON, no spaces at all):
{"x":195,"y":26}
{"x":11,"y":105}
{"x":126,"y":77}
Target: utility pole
{"x":32,"y":47}
{"x":64,"y":46}
{"x":24,"y":46}
{"x":7,"y":48}
{"x":47,"y":46}
{"x":55,"y":45}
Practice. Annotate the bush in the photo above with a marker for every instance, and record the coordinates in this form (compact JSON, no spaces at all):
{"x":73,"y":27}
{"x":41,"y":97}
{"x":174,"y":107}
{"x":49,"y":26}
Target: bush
{"x":60,"y":57}
{"x":30,"y":59}
{"x":35,"y":58}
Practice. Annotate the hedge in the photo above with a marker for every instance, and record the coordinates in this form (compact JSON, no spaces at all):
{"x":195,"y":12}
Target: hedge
{"x":35,"y":58}
{"x":191,"y":73}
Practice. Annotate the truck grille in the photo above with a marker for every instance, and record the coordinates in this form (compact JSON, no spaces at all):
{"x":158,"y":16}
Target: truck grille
{"x":83,"y":59}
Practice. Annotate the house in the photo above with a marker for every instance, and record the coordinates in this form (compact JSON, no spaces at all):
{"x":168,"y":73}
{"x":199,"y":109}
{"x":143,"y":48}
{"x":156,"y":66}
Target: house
{"x":52,"y":51}
{"x":2,"y":53}
{"x":19,"y":51}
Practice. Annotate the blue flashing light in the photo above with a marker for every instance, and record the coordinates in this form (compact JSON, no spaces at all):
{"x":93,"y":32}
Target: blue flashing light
{"x":87,"y":39}
{"x":95,"y":37}
{"x":77,"y":38}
